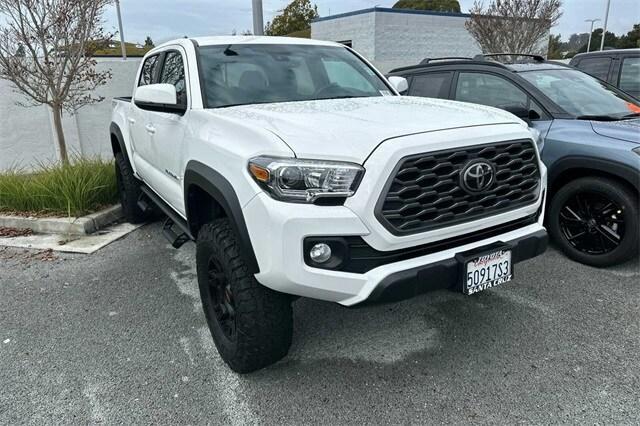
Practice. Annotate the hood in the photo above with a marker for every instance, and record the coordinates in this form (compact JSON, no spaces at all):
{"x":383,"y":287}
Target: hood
{"x":350,"y":129}
{"x":625,"y":130}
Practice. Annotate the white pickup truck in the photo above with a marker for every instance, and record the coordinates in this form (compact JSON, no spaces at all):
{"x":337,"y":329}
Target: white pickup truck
{"x":298,"y":170}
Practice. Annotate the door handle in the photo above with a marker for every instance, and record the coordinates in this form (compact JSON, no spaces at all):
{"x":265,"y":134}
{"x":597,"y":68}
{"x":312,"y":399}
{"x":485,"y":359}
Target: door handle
{"x":150,"y":129}
{"x":132,"y":121}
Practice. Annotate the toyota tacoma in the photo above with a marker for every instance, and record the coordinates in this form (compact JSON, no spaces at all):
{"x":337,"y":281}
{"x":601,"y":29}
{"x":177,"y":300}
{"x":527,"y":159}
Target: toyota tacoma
{"x":299,"y":171}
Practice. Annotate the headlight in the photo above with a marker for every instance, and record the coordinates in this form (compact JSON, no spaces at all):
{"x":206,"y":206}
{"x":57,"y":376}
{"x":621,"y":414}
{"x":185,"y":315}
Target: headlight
{"x":304,"y":181}
{"x":637,"y":150}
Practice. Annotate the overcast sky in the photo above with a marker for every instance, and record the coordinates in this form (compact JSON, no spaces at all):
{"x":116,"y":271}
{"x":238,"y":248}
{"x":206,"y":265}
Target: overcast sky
{"x":167,"y":19}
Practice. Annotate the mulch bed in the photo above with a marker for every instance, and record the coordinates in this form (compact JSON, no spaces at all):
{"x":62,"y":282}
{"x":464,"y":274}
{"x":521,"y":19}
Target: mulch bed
{"x":12,"y":232}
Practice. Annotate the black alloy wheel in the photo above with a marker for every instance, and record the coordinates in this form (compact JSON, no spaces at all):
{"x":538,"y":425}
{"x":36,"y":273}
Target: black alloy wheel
{"x":592,"y":223}
{"x":221,"y":299}
{"x":595,"y":221}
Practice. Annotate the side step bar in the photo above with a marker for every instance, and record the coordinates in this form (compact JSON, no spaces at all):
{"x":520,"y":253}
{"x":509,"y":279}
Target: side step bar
{"x":177,"y":237}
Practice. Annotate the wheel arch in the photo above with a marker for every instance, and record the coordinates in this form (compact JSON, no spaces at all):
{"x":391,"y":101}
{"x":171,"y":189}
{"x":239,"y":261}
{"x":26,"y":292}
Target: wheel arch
{"x":117,"y":142}
{"x":208,"y":196}
{"x":570,"y":168}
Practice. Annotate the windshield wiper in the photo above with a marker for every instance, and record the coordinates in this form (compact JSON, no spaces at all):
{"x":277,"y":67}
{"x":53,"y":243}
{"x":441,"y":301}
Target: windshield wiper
{"x":598,"y":117}
{"x":632,"y":115}
{"x":343,"y":97}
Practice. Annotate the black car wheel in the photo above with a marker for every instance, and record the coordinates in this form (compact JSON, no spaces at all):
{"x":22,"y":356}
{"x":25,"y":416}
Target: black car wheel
{"x":595,"y":221}
{"x":128,"y":190}
{"x":251,"y":325}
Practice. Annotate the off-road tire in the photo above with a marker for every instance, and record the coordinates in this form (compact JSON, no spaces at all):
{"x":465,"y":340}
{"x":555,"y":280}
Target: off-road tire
{"x":128,"y":191}
{"x":613,"y":190}
{"x":263,"y":318}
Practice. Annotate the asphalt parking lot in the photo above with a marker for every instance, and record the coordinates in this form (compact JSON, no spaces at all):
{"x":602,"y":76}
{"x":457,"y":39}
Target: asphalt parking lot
{"x":119,"y":337}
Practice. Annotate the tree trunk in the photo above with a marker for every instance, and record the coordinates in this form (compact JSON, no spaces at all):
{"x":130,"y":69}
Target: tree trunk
{"x":57,"y":123}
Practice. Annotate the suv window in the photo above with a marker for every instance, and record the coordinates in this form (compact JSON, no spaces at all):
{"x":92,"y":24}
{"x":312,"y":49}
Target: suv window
{"x":432,"y":85}
{"x":173,"y":73}
{"x":148,"y":70}
{"x":597,"y":67}
{"x":491,"y":90}
{"x":630,"y":76}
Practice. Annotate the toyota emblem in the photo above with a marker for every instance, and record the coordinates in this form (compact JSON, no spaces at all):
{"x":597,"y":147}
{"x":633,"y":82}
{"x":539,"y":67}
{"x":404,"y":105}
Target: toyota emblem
{"x":477,"y":176}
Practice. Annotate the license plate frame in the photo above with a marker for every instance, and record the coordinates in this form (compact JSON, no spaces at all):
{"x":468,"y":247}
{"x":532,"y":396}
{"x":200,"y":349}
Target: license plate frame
{"x":490,"y":256}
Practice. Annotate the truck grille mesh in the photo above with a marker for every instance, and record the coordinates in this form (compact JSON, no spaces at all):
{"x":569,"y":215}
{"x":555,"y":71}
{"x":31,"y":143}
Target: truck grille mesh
{"x":425,"y":193}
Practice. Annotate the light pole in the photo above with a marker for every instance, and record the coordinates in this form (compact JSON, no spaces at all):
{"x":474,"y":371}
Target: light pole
{"x":122,"y":46}
{"x":606,"y":20}
{"x":590,"y":32}
{"x":258,"y":25}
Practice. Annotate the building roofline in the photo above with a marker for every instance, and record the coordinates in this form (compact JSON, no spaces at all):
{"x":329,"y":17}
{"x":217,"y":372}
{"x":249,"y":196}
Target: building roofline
{"x":391,"y":10}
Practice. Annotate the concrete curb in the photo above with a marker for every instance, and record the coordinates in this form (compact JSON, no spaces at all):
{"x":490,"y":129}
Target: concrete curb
{"x":71,"y":226}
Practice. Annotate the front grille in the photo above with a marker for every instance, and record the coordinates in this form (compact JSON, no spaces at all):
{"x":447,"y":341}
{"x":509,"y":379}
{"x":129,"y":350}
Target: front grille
{"x":425,"y":192}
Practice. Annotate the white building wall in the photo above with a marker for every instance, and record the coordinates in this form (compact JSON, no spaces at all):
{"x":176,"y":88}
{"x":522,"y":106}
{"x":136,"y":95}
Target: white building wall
{"x":406,"y":39}
{"x":360,"y":29}
{"x":27,"y":136}
{"x":391,"y":38}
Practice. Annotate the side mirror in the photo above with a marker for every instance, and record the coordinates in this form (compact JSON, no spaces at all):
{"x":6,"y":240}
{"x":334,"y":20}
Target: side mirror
{"x":158,"y":97}
{"x":400,"y":84}
{"x":523,"y":113}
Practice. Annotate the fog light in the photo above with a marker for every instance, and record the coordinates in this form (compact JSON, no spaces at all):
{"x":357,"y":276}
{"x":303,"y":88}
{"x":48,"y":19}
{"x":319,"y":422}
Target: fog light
{"x":320,"y":253}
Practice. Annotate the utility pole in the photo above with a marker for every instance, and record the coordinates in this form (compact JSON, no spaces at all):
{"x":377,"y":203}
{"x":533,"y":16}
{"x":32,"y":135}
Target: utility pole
{"x":122,"y":46}
{"x":258,"y":24}
{"x":606,"y":20}
{"x":590,"y":32}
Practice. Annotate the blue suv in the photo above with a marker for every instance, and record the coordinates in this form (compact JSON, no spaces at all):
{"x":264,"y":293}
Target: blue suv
{"x":589,"y":137}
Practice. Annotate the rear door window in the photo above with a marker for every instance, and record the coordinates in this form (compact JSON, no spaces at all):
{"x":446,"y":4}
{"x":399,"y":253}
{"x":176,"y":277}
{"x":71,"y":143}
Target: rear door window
{"x":630,"y":76}
{"x":148,"y":70}
{"x":431,"y":85}
{"x":597,"y":67}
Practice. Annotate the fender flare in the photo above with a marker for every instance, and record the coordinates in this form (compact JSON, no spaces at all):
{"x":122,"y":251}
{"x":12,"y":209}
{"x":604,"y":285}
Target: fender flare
{"x":219,"y":188}
{"x":114,"y":130}
{"x":614,"y":168}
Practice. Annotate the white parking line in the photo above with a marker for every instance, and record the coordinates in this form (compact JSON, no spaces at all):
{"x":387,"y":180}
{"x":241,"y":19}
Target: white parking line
{"x":186,"y":347}
{"x":90,"y":391}
{"x":186,"y":279}
{"x":228,"y":384}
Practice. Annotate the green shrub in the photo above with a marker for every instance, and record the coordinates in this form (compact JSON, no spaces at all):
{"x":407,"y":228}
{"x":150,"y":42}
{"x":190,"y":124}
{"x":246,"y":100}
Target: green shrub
{"x":75,"y":189}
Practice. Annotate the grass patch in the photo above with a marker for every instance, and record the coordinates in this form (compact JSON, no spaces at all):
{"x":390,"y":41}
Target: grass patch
{"x":76,"y":189}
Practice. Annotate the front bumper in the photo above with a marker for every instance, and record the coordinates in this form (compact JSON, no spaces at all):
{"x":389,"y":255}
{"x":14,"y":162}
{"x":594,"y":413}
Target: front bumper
{"x":278,"y":231}
{"x":448,"y":273}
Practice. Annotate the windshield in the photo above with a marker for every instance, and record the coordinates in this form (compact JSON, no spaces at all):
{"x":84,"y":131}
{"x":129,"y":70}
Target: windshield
{"x":243,"y":74}
{"x":582,"y":95}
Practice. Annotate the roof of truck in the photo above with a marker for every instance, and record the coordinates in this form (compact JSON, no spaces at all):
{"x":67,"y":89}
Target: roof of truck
{"x":226,"y":40}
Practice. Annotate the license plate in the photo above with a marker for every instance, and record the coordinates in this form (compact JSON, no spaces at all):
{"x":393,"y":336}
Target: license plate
{"x":488,"y":270}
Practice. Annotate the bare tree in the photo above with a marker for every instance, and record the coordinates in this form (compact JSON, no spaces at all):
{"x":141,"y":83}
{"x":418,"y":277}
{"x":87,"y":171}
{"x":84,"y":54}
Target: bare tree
{"x":57,"y":39}
{"x":513,"y":26}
